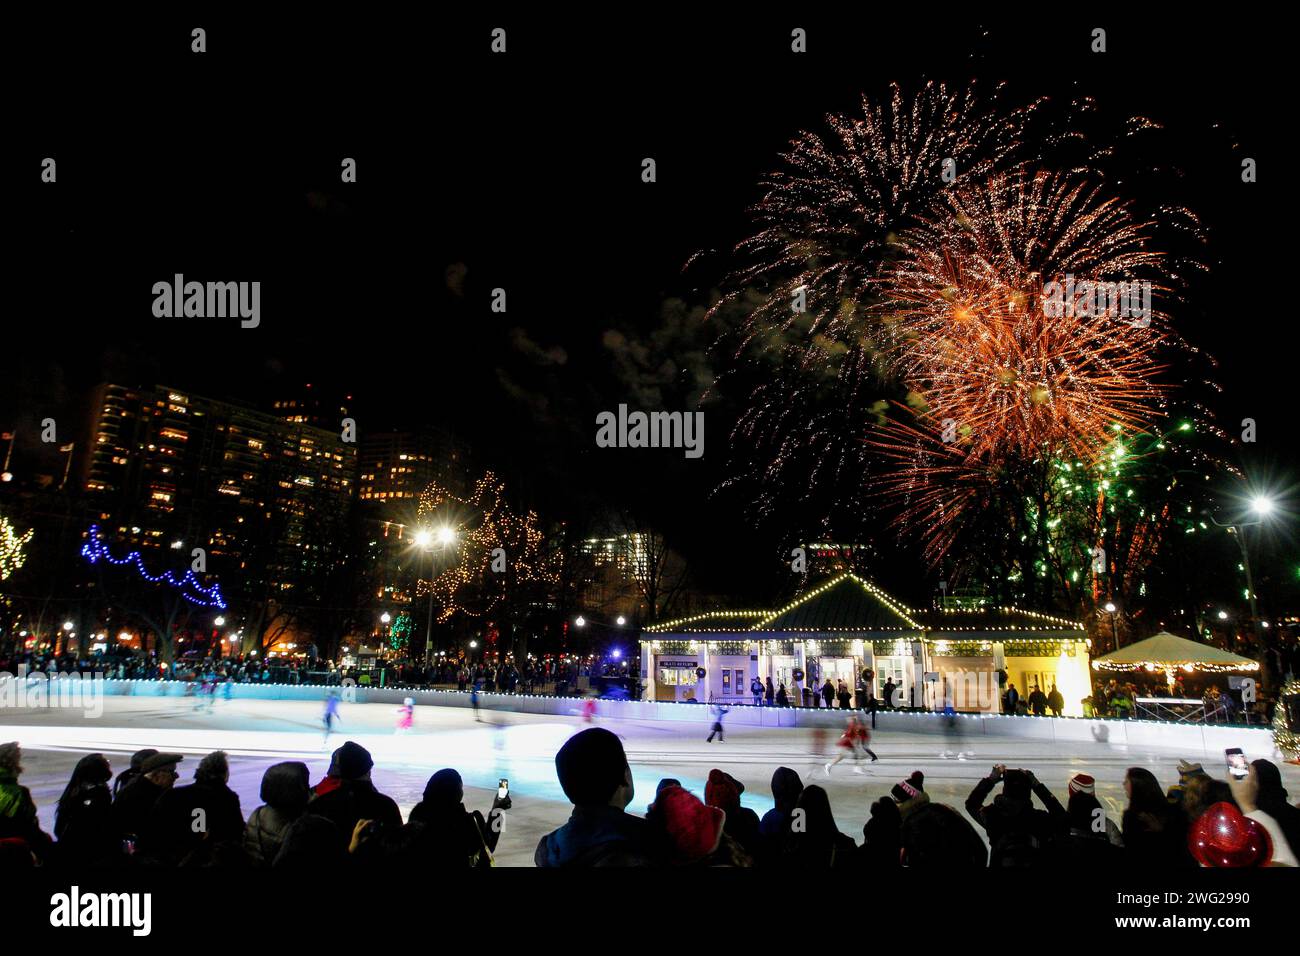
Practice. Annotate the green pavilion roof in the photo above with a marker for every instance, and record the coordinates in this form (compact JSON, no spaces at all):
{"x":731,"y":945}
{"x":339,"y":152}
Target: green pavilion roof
{"x":844,"y":603}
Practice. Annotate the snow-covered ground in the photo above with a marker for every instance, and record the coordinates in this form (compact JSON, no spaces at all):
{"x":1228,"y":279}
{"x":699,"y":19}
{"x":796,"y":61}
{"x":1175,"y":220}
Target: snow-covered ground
{"x":522,"y":747}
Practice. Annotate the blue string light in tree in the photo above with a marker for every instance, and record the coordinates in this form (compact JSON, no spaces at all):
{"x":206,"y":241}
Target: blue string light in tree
{"x":190,"y":587}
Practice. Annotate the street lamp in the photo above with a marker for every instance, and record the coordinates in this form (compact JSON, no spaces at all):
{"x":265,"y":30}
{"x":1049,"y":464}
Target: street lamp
{"x":1114,"y":631}
{"x":219,"y":621}
{"x":385,"y":618}
{"x":621,"y":620}
{"x":1261,"y":506}
{"x":580,"y":621}
{"x":425,"y":539}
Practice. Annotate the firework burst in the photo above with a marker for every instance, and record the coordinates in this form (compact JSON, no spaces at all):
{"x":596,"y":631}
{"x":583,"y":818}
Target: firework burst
{"x":975,"y":332}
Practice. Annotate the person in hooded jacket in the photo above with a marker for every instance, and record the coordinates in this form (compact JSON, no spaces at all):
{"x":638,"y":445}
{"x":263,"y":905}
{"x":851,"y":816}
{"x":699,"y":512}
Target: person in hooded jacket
{"x":882,"y":837}
{"x":83,"y":822}
{"x":818,"y":844}
{"x":723,"y":791}
{"x":285,"y":792}
{"x":786,"y":787}
{"x":1017,"y":830}
{"x":454,"y":837}
{"x":173,"y":834}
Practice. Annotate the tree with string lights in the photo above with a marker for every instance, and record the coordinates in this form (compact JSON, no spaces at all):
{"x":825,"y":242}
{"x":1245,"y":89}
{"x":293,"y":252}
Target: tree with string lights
{"x":497,"y":563}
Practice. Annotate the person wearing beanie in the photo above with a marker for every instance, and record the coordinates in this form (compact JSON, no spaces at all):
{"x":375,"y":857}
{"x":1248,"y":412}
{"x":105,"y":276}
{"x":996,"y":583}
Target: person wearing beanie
{"x":1017,"y":831}
{"x":1092,"y":840}
{"x":595,"y":776}
{"x":455,"y":837}
{"x":683,"y":831}
{"x":355,"y":797}
{"x":910,"y":794}
{"x":723,"y":791}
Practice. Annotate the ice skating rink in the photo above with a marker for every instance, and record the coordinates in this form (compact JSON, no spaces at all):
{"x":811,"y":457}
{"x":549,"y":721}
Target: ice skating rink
{"x":521,"y":747}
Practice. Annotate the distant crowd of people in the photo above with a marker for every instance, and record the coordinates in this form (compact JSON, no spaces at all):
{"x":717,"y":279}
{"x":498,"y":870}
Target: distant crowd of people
{"x":543,"y":676}
{"x":143,"y":818}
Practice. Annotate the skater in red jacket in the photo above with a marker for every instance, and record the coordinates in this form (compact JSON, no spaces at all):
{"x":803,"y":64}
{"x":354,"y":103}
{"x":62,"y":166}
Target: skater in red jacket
{"x":851,"y":745}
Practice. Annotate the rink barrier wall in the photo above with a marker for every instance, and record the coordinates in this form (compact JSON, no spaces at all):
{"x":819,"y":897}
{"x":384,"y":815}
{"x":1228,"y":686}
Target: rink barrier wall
{"x":1208,"y":738}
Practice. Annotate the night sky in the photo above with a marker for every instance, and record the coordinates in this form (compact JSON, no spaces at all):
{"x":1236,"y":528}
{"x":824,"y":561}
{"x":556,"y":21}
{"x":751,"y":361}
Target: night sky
{"x":523,"y":172}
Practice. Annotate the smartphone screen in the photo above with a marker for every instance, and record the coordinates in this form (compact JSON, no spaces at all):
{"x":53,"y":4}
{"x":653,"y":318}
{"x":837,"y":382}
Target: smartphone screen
{"x":503,"y":788}
{"x":1237,"y":765}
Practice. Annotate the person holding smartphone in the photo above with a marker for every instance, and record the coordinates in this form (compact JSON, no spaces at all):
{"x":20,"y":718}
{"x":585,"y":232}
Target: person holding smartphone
{"x":453,"y":835}
{"x":1245,"y":790}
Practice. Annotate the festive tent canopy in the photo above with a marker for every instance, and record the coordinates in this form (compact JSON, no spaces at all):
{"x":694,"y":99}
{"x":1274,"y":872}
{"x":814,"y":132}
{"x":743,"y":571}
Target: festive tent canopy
{"x":1165,"y":651}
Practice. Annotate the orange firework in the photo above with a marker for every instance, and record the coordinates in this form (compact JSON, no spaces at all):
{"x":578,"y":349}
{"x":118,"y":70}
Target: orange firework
{"x":1006,"y":327}
{"x":983,"y":329}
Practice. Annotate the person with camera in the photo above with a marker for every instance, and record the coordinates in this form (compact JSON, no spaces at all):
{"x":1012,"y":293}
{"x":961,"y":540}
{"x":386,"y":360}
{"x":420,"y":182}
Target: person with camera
{"x":1017,"y":830}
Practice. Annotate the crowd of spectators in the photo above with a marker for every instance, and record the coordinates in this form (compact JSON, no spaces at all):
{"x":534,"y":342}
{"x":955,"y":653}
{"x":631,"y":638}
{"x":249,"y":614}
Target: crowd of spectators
{"x":143,"y":818}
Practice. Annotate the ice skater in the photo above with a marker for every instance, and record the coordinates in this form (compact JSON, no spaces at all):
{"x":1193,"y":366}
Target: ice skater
{"x":864,"y":738}
{"x":851,"y":745}
{"x":718,"y":713}
{"x":951,"y":728}
{"x":589,"y":710}
{"x":473,"y":699}
{"x":331,"y":714}
{"x":406,"y":716}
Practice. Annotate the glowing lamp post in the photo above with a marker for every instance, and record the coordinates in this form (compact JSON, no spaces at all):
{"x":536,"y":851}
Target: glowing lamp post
{"x":1114,"y":632}
{"x":425,"y":539}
